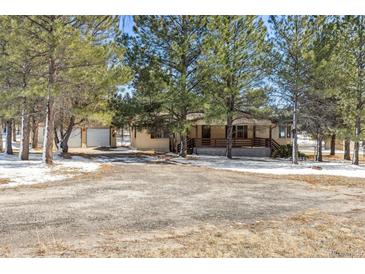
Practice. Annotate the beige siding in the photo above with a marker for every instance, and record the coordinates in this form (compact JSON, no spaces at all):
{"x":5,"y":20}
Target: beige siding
{"x":195,"y":131}
{"x":142,"y":140}
{"x":280,"y":141}
{"x":249,"y":131}
{"x":262,"y":131}
{"x":218,"y":132}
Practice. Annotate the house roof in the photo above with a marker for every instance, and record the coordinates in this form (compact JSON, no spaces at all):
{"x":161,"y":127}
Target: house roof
{"x":244,"y":118}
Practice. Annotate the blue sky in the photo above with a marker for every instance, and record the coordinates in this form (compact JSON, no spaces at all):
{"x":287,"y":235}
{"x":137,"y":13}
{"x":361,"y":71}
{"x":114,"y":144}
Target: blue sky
{"x":126,"y":23}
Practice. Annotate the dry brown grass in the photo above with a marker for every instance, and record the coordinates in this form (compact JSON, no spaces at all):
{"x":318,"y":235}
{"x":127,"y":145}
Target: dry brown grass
{"x":5,"y":252}
{"x":309,"y":234}
{"x":322,"y":180}
{"x":327,"y":157}
{"x":4,"y":181}
{"x":315,"y":180}
{"x":56,"y":249}
{"x":337,"y":157}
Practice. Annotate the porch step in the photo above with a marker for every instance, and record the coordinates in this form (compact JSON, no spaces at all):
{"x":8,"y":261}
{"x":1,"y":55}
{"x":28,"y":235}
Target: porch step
{"x":274,"y":146}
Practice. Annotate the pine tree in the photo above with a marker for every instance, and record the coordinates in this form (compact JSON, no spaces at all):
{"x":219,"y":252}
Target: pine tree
{"x":351,"y":61}
{"x":292,"y":38}
{"x":23,"y":65}
{"x":85,"y":97}
{"x":63,"y":43}
{"x":8,"y":82}
{"x":321,"y":82}
{"x":175,"y":43}
{"x":235,"y":51}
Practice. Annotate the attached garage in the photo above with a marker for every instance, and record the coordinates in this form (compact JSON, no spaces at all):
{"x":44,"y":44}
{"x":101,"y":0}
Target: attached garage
{"x":98,"y":137}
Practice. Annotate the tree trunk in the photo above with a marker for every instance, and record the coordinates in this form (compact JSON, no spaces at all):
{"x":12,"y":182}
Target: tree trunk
{"x":57,"y":140}
{"x":172,"y":145}
{"x":14,"y":131}
{"x":346,"y":155}
{"x":9,"y":131}
{"x":24,"y":139}
{"x":1,"y":136}
{"x":66,"y":136}
{"x":355,"y":158}
{"x":34,"y":132}
{"x":319,"y":148}
{"x":183,"y":143}
{"x":295,"y":134}
{"x":47,"y":156}
{"x":229,"y":137}
{"x":270,"y":141}
{"x":333,"y":144}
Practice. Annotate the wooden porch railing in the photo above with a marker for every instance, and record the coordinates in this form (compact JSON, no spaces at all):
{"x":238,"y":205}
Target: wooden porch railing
{"x":222,"y":142}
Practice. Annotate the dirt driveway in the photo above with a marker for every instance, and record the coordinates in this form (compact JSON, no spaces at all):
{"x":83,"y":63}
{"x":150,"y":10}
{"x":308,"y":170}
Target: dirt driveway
{"x":166,"y":210}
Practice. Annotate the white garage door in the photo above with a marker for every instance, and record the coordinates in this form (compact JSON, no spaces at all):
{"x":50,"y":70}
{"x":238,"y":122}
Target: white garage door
{"x":73,"y":141}
{"x":98,"y":137}
{"x":75,"y":138}
{"x":40,"y":136}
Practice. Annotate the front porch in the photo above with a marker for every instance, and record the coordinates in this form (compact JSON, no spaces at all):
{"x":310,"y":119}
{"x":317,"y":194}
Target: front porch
{"x":253,"y":147}
{"x":236,"y":142}
{"x":248,"y":140}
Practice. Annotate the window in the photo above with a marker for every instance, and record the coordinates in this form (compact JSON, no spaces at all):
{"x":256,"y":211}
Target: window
{"x":238,"y":132}
{"x":288,"y":131}
{"x":159,"y":133}
{"x":281,"y":131}
{"x":245,"y":132}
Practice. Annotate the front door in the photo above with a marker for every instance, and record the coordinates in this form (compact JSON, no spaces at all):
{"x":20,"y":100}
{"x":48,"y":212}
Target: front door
{"x":206,"y":135}
{"x":206,"y":132}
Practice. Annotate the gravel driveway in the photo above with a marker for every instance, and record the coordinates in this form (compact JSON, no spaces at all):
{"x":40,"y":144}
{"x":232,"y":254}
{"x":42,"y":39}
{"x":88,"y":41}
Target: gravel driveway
{"x":140,"y":198}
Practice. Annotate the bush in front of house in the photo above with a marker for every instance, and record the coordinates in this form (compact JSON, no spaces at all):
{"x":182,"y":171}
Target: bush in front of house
{"x":285,"y":151}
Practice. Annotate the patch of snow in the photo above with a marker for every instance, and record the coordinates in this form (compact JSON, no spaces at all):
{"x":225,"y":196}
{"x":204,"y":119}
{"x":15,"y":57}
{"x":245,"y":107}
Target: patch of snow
{"x":128,"y":159}
{"x":125,"y":149}
{"x":276,"y":166}
{"x":124,"y":143}
{"x":34,"y":171}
